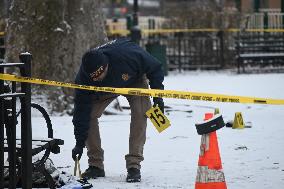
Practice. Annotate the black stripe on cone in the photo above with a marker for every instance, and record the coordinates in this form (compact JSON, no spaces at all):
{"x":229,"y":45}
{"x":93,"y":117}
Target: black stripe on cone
{"x":210,"y":125}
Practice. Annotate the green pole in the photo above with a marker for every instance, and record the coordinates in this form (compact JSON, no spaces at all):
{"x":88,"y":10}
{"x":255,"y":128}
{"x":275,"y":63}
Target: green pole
{"x":282,"y":11}
{"x":239,"y":5}
{"x":129,"y":21}
{"x":265,"y":20}
{"x":135,"y":13}
{"x":256,"y":5}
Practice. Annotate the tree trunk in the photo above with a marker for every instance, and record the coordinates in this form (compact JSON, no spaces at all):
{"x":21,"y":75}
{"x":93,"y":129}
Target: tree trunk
{"x":3,"y":13}
{"x":57,"y":33}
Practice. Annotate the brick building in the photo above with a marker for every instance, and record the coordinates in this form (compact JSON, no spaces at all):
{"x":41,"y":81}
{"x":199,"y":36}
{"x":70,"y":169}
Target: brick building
{"x":256,"y":5}
{"x":242,"y":5}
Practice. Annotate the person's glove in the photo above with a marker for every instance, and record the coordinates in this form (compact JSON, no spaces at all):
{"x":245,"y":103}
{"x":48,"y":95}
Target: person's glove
{"x":77,"y":151}
{"x":159,"y":101}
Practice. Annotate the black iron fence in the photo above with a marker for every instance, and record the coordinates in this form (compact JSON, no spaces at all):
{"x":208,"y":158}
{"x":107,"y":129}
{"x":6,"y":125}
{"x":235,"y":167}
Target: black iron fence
{"x":8,"y":121}
{"x":185,"y":51}
{"x":192,"y":50}
{"x":260,"y":49}
{"x":205,"y":50}
{"x":211,"y":50}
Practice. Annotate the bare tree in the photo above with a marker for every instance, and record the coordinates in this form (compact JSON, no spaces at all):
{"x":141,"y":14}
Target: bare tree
{"x":3,"y":13}
{"x":56,"y":32}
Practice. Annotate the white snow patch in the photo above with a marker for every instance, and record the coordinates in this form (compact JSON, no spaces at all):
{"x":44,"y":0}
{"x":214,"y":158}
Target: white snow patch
{"x":251,"y":157}
{"x":58,"y":29}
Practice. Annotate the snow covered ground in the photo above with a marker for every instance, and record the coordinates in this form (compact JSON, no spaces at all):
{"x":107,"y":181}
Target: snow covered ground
{"x":252,"y":157}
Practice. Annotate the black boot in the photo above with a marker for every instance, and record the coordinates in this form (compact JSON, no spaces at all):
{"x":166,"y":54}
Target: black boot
{"x":93,"y":172}
{"x":133,"y":175}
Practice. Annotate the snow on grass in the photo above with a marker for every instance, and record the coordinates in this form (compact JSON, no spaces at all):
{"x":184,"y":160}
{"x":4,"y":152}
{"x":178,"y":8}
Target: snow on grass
{"x":251,"y":157}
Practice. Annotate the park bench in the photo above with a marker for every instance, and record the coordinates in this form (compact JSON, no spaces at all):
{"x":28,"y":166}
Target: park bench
{"x":259,"y":50}
{"x":20,"y":151}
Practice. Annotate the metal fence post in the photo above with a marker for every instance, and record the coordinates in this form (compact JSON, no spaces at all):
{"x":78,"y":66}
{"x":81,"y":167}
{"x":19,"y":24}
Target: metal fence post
{"x":265,"y":20}
{"x":179,"y":52}
{"x":1,"y":133}
{"x":220,"y":34}
{"x":282,"y":11}
{"x":11,"y":139}
{"x":26,"y":130}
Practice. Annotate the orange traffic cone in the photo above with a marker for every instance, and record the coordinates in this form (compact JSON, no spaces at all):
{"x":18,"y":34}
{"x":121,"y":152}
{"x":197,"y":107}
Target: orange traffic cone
{"x":210,"y":174}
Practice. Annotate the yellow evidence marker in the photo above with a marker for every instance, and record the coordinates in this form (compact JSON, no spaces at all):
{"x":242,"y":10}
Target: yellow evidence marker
{"x":159,"y":120}
{"x":238,"y":121}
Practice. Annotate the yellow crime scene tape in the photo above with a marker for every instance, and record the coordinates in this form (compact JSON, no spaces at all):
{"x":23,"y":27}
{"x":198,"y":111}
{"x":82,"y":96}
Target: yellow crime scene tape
{"x":165,"y":31}
{"x":209,"y":30}
{"x":149,"y":92}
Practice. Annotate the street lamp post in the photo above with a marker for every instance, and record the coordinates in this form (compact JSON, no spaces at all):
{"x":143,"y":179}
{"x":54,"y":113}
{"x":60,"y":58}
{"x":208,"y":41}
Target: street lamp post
{"x":256,"y":5}
{"x":220,"y":34}
{"x":135,"y":13}
{"x":282,"y":11}
{"x":135,"y":30}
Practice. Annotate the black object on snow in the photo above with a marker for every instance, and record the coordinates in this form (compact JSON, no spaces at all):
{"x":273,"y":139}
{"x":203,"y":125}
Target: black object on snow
{"x":229,"y":124}
{"x":208,"y":126}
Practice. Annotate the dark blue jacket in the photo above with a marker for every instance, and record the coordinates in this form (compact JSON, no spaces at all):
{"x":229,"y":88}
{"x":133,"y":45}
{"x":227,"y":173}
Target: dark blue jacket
{"x":125,"y":57}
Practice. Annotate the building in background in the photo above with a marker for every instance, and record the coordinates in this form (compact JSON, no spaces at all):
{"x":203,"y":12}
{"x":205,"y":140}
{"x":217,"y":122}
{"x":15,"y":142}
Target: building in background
{"x":197,"y":13}
{"x":260,"y":5}
{"x":122,"y":8}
